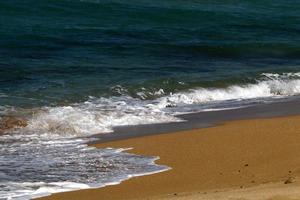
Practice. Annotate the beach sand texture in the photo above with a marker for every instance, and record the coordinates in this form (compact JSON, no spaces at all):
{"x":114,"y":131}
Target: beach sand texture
{"x":248,"y":159}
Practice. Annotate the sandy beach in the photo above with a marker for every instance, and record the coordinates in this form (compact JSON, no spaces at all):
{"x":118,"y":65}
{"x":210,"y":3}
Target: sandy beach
{"x":248,"y":159}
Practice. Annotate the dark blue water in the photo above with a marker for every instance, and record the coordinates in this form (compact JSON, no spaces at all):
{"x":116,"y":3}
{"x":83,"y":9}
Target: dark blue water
{"x":61,"y":52}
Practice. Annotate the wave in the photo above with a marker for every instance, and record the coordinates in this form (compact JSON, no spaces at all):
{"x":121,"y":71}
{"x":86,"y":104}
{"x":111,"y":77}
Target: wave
{"x":270,"y":85}
{"x":100,"y":115}
{"x":97,"y":115}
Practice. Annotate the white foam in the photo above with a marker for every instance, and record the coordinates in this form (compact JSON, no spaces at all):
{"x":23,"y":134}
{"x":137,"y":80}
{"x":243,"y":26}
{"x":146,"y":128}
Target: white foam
{"x":100,"y":115}
{"x":276,"y":85}
{"x":96,"y":116}
{"x":61,"y":165}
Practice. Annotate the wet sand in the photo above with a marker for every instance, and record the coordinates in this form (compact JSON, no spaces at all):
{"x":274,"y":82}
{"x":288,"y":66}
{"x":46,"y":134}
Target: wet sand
{"x":280,"y":108}
{"x":246,"y":159}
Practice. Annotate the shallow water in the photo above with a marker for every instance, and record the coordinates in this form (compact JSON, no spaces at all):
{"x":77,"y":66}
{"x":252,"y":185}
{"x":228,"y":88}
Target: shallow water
{"x":35,"y":165}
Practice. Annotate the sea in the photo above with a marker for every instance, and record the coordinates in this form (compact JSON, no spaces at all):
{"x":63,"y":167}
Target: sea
{"x":75,"y":68}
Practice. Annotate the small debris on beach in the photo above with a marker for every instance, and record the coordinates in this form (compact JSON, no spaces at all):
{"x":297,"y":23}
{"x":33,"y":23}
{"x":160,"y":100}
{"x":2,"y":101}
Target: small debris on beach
{"x":289,"y":180}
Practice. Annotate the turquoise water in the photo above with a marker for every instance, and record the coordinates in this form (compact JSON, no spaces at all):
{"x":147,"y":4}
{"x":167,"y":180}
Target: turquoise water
{"x":60,"y":52}
{"x":75,"y":68}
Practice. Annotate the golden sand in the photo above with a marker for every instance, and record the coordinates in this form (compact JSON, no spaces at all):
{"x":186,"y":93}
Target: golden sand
{"x":249,"y":159}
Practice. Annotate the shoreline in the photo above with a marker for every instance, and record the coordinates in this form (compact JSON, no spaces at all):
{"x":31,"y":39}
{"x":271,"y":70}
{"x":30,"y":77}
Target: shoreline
{"x":198,"y":120}
{"x":235,"y":156}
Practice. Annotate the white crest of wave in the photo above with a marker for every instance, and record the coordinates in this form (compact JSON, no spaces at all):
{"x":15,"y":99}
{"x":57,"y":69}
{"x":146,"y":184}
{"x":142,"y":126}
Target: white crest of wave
{"x":96,"y":116}
{"x":100,"y":115}
{"x":67,"y":120}
{"x":273,"y":85}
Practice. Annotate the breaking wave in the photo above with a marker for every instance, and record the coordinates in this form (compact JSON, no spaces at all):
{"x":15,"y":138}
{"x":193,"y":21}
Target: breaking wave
{"x":270,"y":85}
{"x":100,"y":115}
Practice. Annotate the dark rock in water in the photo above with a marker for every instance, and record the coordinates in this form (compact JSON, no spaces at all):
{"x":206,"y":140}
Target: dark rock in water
{"x":170,"y":105}
{"x":7,"y":123}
